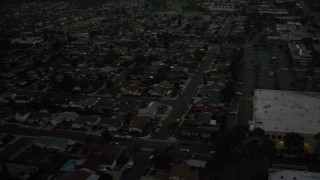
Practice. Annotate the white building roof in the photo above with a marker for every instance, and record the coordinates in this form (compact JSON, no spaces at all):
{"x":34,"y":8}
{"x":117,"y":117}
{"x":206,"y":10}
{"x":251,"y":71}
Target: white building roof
{"x":280,"y":174}
{"x":196,"y":163}
{"x":287,"y":111}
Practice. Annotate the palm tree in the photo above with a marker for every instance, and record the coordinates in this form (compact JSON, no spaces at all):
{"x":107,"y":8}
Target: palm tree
{"x":294,"y":141}
{"x":317,"y":137}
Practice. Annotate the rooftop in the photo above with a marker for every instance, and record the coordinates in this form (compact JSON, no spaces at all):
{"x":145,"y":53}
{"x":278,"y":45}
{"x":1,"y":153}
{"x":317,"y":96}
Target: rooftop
{"x":280,"y":171}
{"x":287,"y":111}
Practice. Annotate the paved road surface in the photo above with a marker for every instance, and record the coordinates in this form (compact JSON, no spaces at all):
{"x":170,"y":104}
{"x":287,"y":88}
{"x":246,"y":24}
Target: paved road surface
{"x":180,"y":104}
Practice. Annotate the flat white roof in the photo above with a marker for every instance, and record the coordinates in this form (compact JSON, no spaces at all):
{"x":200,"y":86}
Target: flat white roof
{"x":287,"y":111}
{"x":276,"y":174}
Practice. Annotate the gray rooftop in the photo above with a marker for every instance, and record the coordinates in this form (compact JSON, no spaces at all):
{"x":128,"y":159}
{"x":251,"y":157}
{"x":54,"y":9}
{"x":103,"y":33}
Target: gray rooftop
{"x":280,"y":174}
{"x":287,"y":111}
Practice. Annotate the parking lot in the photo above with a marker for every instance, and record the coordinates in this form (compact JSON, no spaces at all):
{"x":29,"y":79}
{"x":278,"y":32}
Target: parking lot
{"x":265,"y":68}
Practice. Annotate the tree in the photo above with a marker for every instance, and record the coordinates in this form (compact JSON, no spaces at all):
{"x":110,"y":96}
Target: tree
{"x":135,"y":148}
{"x":267,"y":147}
{"x":192,"y":66}
{"x":258,"y":144}
{"x":89,"y":139}
{"x":205,"y":47}
{"x":317,"y":137}
{"x":176,"y":85}
{"x":68,"y":82}
{"x":294,"y":141}
{"x":111,"y":56}
{"x":109,"y":83}
{"x":199,"y":54}
{"x":106,"y":135}
{"x":84,"y":83}
{"x":257,"y":135}
{"x":56,"y":45}
{"x":162,"y":159}
{"x":204,"y":79}
{"x":140,"y":59}
{"x":158,"y":4}
{"x":229,"y":91}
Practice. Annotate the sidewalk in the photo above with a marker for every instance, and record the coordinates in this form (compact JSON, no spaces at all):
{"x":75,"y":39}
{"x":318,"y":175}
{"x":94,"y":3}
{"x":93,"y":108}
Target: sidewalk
{"x":118,"y":174}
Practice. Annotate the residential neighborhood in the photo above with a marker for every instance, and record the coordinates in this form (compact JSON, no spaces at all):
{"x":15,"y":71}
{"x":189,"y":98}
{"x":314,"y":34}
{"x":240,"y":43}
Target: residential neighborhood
{"x":159,"y":89}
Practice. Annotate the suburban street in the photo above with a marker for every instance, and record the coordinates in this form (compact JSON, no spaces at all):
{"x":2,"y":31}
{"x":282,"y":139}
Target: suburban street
{"x":180,"y":104}
{"x":140,"y":167}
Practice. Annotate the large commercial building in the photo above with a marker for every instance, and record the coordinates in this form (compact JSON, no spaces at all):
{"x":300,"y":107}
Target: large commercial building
{"x":281,"y":112}
{"x":279,"y":172}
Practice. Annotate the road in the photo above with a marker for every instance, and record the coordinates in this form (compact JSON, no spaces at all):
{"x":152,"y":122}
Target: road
{"x":225,"y":29}
{"x":140,"y":168}
{"x":180,"y":104}
{"x":81,"y":137}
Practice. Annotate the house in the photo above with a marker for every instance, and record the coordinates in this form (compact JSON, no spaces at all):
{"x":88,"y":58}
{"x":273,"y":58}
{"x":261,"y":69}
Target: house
{"x":22,"y":117}
{"x":113,"y":124}
{"x":79,"y":122}
{"x":300,"y":55}
{"x":80,"y":174}
{"x":64,"y":116}
{"x":6,"y":111}
{"x":7,"y":97}
{"x":105,"y":105}
{"x":55,"y":144}
{"x":93,"y":120}
{"x":83,"y":120}
{"x":21,"y":99}
{"x":60,"y":101}
{"x":13,"y":149}
{"x":99,"y":162}
{"x":139,"y":124}
{"x":151,"y":110}
{"x":131,"y":88}
{"x":201,"y":108}
{"x":202,"y":119}
{"x":204,"y":132}
{"x":165,"y":84}
{"x":40,"y":117}
{"x":101,"y":156}
{"x":20,"y":171}
{"x":83,"y":104}
{"x":178,"y":171}
{"x":158,"y":91}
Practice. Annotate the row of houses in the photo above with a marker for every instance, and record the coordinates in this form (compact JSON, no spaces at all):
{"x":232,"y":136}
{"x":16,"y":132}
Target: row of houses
{"x":58,"y":157}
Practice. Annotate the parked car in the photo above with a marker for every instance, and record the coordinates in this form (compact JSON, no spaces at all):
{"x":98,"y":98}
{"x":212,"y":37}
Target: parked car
{"x":130,"y":164}
{"x":233,"y":112}
{"x":151,"y":157}
{"x":114,"y":143}
{"x":184,"y":150}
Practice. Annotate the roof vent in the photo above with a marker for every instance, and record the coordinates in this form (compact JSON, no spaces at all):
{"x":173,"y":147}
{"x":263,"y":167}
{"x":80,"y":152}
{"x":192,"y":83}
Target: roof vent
{"x":294,"y":178}
{"x":281,"y":177}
